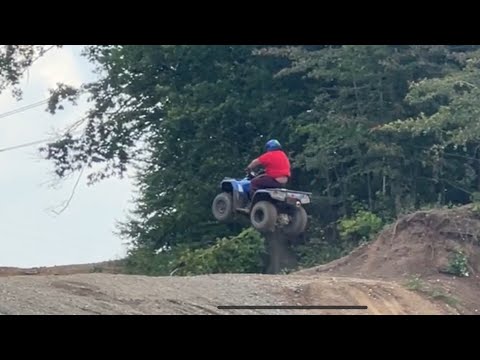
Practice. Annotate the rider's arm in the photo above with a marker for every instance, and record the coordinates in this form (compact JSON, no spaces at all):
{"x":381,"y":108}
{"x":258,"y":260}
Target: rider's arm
{"x":262,"y":160}
{"x":255,"y":163}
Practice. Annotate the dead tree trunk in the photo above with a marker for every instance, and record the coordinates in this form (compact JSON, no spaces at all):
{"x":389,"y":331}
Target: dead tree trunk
{"x":280,"y":255}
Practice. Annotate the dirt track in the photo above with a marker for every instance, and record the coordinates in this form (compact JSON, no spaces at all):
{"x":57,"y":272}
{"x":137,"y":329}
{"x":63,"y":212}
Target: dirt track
{"x":122,"y":294}
{"x":407,"y":270}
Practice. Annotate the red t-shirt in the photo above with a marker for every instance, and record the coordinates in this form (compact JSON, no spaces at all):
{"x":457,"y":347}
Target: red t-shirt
{"x":276,"y":163}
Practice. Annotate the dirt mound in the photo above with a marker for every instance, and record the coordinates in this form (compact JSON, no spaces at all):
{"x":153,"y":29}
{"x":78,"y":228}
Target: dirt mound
{"x":425,"y":243}
{"x":412,"y":268}
{"x":203,"y":295}
{"x":110,"y":267}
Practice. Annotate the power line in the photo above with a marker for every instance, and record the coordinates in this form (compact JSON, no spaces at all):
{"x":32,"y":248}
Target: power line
{"x":28,"y":107}
{"x":34,"y":105}
{"x":16,"y":111}
{"x":24,"y":108}
{"x":25,"y":145}
{"x":74,"y":126}
{"x":69,"y":130}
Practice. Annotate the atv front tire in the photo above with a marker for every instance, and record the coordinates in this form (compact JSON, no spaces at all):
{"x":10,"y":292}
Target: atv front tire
{"x":222,"y":207}
{"x":264,"y":216}
{"x":298,"y":223}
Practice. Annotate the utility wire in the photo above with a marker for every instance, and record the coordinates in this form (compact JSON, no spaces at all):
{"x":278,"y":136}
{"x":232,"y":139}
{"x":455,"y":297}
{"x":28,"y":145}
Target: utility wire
{"x":72,"y":194}
{"x":31,"y":106}
{"x":70,"y":129}
{"x":24,"y":145}
{"x":24,"y":108}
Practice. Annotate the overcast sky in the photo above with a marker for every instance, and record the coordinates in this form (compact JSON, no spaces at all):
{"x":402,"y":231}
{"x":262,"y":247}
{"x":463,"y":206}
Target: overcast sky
{"x":30,"y":234}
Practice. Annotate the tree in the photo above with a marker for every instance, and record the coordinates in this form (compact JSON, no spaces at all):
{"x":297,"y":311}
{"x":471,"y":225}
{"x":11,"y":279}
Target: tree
{"x":360,"y":88}
{"x":373,"y":131}
{"x":185,"y":116}
{"x":448,"y":119}
{"x":15,"y":60}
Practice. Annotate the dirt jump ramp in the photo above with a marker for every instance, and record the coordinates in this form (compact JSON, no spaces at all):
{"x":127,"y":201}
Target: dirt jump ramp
{"x":121,"y":294}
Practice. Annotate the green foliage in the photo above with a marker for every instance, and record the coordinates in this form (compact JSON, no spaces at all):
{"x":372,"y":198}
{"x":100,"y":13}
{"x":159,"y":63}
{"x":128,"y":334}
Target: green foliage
{"x":415,"y":283}
{"x":441,"y":295}
{"x":244,"y":253}
{"x":185,"y":116}
{"x":475,"y":198}
{"x":142,"y":260}
{"x":15,"y":60}
{"x":363,"y":226}
{"x":391,"y":127}
{"x":458,"y":264}
{"x":319,"y":251}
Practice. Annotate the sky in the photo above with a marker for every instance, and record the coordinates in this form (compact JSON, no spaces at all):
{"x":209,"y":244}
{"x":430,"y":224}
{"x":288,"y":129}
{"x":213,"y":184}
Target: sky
{"x":31,"y":235}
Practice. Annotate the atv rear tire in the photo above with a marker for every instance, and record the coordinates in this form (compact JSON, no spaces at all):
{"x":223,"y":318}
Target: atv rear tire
{"x":264,"y":216}
{"x":298,"y":224}
{"x":222,"y":207}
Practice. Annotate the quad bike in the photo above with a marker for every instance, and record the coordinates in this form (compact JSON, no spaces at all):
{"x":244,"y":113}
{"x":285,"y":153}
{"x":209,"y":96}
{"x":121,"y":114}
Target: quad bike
{"x":267,"y":209}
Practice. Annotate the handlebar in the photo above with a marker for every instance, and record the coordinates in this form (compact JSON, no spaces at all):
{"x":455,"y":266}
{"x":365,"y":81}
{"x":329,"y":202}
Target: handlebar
{"x":252,"y":174}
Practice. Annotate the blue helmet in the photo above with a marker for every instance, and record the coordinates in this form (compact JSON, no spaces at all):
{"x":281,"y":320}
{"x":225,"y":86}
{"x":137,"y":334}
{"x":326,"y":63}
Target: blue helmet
{"x":272,"y":145}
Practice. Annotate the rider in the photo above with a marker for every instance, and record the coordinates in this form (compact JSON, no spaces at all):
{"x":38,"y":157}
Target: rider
{"x":276,"y":164}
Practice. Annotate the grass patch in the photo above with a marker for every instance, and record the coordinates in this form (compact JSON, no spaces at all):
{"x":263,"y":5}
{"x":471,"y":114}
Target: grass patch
{"x":415,"y":283}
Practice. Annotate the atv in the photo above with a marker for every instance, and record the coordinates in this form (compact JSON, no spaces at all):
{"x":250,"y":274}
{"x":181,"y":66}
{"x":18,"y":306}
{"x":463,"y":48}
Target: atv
{"x":268,"y":209}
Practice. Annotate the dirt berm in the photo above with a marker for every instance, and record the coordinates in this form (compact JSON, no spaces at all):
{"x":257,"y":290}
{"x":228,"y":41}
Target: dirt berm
{"x":407,"y":270}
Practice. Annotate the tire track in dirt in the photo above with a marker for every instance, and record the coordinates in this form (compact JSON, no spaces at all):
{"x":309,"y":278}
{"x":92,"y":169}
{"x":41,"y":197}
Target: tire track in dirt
{"x":381,"y":297}
{"x":123,"y":294}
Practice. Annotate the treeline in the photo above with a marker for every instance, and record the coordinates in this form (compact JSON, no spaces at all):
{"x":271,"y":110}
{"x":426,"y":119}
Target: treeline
{"x":373,"y":131}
